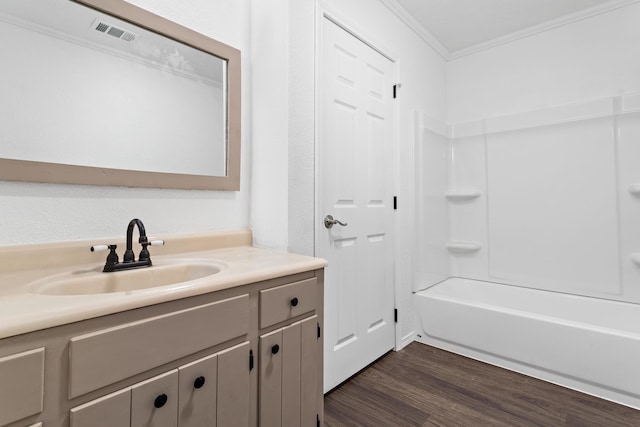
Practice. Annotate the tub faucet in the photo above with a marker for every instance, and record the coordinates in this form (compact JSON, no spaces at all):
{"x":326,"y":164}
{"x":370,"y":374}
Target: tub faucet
{"x":129,"y":260}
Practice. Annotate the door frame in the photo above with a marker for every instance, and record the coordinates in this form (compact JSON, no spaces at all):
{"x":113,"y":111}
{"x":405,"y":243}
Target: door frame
{"x":326,"y":11}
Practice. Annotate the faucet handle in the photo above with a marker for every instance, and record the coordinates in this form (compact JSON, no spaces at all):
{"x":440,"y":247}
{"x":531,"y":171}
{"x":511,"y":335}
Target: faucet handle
{"x":144,"y":253}
{"x":112,"y":257}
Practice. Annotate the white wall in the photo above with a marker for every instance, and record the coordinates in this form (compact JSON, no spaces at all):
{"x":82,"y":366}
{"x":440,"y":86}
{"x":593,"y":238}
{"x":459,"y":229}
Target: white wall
{"x":431,"y":223}
{"x":540,"y":129}
{"x":270,"y":87}
{"x":592,"y":58}
{"x":31,"y":212}
{"x":301,"y":127}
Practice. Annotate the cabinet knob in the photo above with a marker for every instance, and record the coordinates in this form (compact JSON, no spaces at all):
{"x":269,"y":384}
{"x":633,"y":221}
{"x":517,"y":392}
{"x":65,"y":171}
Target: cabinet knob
{"x":275,"y":349}
{"x":199,"y":382}
{"x":294,"y":302}
{"x":160,"y":401}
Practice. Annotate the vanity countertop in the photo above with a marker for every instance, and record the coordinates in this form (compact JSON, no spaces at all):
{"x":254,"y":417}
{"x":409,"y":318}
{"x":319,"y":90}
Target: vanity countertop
{"x":23,"y":311}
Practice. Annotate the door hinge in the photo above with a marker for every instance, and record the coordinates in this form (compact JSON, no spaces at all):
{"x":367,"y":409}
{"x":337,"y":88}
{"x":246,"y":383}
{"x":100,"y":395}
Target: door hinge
{"x":250,"y":360}
{"x":395,"y":203}
{"x":318,"y":330}
{"x":395,"y":315}
{"x":395,"y":90}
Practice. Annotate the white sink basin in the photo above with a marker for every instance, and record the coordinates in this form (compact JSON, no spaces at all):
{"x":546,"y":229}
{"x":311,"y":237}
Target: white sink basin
{"x":94,"y":281}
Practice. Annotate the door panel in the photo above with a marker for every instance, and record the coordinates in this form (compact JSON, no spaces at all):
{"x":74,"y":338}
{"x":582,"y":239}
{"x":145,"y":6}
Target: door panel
{"x":310,"y":373}
{"x":234,"y":387}
{"x":154,"y":403}
{"x":198,"y":385}
{"x":270,"y":400}
{"x":355,"y":186}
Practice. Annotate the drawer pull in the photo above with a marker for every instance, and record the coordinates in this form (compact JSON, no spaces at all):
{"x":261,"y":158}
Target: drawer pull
{"x":199,"y":382}
{"x":275,"y":349}
{"x":160,"y":401}
{"x":294,"y":302}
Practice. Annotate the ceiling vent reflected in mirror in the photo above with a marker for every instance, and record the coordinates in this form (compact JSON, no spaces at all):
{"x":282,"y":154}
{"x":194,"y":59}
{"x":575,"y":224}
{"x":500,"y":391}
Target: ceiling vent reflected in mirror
{"x":119,"y":33}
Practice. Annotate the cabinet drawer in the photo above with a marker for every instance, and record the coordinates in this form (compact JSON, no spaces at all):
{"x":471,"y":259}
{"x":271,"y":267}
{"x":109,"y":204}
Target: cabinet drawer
{"x":21,"y":388}
{"x":287,"y":301}
{"x":104,"y":357}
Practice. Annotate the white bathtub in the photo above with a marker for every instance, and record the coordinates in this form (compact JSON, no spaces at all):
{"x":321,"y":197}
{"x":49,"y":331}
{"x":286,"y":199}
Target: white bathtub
{"x":586,"y":344}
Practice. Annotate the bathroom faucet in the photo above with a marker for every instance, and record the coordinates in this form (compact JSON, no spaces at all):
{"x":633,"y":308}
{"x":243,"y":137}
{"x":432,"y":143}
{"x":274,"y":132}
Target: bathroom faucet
{"x":144,"y":253}
{"x":129,"y":260}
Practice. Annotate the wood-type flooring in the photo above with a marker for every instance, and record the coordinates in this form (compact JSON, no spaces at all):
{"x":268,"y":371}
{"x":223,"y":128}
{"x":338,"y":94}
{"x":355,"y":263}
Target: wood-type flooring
{"x":424,"y":386}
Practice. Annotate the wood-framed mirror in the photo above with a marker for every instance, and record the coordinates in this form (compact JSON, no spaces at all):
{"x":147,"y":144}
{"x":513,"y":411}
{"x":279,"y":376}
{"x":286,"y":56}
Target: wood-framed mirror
{"x":102,"y":92}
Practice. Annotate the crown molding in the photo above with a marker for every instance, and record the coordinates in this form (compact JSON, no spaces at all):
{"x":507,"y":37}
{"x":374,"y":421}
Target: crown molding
{"x":416,"y":27}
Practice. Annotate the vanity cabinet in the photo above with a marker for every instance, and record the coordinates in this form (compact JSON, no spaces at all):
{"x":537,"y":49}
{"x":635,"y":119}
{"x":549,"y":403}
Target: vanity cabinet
{"x":290,"y":356}
{"x":243,"y":356}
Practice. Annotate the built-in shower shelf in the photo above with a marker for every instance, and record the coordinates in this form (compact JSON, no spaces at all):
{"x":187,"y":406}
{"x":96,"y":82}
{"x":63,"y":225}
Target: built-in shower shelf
{"x":460,"y":195}
{"x":463,"y":247}
{"x":635,"y":189}
{"x":635,"y":258}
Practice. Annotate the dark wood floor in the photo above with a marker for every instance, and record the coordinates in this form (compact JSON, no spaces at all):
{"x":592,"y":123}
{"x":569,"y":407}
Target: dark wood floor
{"x":425,"y":386}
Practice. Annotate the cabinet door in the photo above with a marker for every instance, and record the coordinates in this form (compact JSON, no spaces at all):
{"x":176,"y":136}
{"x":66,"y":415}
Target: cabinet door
{"x":113,"y":410}
{"x":290,"y":375}
{"x":198,"y":384}
{"x":154,"y":403}
{"x":233,"y":386}
{"x":270,"y":396}
{"x":310,"y":372}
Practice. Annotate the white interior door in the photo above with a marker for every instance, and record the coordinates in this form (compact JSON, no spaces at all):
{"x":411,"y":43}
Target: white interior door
{"x":355,"y":159}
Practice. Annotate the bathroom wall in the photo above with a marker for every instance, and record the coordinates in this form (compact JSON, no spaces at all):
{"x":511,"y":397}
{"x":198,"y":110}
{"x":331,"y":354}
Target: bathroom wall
{"x":588,"y":59}
{"x":540,"y":161}
{"x":31,"y":212}
{"x":432,"y":149}
{"x":269,"y":90}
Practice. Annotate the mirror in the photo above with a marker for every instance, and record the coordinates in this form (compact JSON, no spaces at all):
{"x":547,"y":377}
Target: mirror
{"x":102,"y":92}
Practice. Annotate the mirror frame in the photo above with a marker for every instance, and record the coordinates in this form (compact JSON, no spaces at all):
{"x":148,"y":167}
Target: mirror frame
{"x":30,"y":171}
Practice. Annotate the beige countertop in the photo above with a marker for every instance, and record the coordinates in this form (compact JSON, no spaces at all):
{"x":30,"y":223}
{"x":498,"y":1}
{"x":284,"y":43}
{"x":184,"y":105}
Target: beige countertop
{"x":23,"y":310}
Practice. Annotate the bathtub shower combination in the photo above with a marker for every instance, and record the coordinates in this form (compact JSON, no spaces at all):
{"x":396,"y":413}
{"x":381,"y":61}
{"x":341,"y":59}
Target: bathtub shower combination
{"x":537,"y":268}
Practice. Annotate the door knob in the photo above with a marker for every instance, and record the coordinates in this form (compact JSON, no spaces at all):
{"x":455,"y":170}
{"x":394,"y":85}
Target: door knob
{"x":329,"y":222}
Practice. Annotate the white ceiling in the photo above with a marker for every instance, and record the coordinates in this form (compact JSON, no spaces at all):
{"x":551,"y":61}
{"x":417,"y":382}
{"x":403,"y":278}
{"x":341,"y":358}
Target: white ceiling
{"x":466,"y":25}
